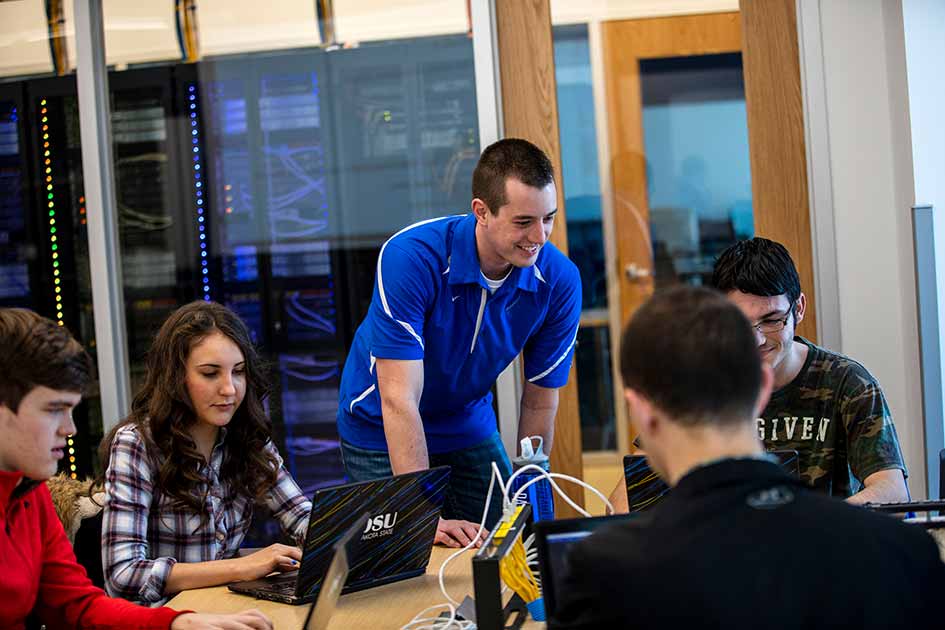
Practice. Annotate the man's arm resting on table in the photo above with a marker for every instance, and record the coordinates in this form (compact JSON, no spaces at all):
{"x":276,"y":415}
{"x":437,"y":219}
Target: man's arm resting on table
{"x":400,"y":384}
{"x":537,"y":413}
{"x":884,"y":486}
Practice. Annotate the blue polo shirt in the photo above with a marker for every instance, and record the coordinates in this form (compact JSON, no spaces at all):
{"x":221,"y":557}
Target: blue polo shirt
{"x":431,"y":302}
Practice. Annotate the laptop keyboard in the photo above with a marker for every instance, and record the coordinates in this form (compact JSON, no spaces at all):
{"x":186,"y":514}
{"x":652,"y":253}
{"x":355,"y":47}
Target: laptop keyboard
{"x":285,"y":586}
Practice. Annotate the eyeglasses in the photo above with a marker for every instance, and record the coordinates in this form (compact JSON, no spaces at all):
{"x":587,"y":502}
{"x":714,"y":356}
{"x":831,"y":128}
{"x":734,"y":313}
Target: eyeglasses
{"x":771,"y":326}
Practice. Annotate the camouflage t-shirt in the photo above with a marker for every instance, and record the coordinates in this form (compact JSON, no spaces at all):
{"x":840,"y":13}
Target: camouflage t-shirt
{"x":836,"y":417}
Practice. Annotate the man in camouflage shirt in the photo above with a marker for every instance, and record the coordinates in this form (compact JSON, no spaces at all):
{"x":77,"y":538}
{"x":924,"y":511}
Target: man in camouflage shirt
{"x":826,"y":406}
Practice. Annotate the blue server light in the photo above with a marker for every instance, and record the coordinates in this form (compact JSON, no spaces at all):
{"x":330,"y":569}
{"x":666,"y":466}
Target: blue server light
{"x":198,"y":193}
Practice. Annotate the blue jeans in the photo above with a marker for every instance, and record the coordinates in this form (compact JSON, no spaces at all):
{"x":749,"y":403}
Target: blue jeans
{"x":470,"y":472}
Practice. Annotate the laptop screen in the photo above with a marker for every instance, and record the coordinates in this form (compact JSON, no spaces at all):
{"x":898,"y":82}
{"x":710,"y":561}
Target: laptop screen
{"x":343,"y":552}
{"x":645,"y":488}
{"x":553,"y":539}
{"x":397,"y":538}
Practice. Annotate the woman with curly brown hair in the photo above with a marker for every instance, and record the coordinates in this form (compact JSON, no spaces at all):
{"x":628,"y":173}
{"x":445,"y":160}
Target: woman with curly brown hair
{"x":189,"y":463}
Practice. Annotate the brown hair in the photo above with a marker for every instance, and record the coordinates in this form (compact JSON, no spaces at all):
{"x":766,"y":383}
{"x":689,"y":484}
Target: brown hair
{"x":162,"y":411}
{"x":509,"y":158}
{"x":693,"y":354}
{"x":37,"y":352}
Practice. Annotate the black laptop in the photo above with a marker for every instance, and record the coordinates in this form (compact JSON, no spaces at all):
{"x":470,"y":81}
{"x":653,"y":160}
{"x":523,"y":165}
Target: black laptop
{"x":552,"y":541}
{"x":395,"y":544}
{"x":645,"y":488}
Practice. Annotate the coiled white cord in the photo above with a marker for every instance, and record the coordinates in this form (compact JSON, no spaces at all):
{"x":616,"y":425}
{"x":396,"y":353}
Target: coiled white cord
{"x":423,"y":622}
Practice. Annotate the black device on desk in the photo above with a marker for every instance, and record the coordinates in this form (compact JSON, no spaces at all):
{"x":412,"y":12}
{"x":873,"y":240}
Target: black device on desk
{"x":395,"y":544}
{"x":552,"y":540}
{"x":645,"y":488}
{"x":491,"y":613}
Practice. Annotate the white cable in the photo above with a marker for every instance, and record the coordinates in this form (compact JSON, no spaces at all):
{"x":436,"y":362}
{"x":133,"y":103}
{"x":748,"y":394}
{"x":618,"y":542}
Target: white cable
{"x":550,"y":476}
{"x":437,"y":623}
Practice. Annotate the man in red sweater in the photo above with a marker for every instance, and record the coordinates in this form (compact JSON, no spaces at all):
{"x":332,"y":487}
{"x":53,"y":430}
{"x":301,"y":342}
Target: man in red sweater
{"x":43,"y":372}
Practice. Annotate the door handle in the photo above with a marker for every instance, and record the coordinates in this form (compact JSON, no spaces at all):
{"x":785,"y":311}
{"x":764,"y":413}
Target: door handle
{"x":636,"y":273}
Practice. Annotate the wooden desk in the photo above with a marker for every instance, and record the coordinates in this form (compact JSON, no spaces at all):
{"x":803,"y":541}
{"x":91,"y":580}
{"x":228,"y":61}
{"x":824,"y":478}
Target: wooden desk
{"x":389,"y":606}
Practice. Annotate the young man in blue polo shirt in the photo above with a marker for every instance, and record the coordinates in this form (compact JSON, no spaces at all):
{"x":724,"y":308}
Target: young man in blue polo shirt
{"x":456,"y":299}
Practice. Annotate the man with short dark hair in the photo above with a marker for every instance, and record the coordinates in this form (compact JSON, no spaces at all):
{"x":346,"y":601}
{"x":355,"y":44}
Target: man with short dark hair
{"x":456,"y":299}
{"x":43,"y":372}
{"x":825,"y":405}
{"x":736,"y":543}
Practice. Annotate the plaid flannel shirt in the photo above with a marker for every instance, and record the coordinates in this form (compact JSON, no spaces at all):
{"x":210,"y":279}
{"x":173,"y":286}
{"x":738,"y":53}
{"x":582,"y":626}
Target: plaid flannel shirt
{"x":143,"y":536}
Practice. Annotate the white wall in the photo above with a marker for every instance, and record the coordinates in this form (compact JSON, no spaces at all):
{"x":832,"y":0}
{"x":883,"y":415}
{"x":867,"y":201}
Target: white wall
{"x":924,"y":22}
{"x":24,"y":39}
{"x":571,"y":11}
{"x":869,"y":151}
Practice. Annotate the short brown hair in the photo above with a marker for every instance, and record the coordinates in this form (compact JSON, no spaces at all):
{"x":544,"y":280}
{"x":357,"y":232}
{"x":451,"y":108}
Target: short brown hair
{"x":509,"y":158}
{"x":38,"y":352}
{"x":692,"y":353}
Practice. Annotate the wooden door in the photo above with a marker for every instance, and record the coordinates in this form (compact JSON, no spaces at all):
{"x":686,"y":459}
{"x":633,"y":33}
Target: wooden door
{"x":625,"y":44}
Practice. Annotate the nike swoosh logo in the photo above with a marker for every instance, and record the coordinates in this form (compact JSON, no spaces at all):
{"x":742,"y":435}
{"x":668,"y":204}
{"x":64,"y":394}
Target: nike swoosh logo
{"x":455,"y":297}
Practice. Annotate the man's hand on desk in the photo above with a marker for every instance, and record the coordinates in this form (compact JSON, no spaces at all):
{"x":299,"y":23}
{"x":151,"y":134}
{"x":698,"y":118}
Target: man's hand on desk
{"x":246,"y":620}
{"x":458,"y":533}
{"x":276,"y":557}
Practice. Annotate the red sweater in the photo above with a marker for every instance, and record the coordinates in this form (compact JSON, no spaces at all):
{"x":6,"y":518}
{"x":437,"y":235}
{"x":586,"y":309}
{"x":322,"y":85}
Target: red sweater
{"x":38,"y":570}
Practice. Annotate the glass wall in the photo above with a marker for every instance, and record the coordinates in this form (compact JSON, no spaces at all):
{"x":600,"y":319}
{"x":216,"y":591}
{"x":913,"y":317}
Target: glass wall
{"x":576,"y":127}
{"x":261,"y":176}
